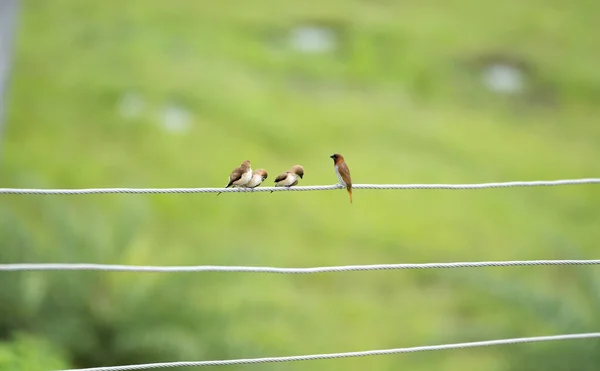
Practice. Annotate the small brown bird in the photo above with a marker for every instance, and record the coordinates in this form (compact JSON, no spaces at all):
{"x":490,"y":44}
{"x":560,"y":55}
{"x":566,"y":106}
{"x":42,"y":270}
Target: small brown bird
{"x":240,"y":176}
{"x":290,"y":177}
{"x":258,"y":176}
{"x":342,"y":172}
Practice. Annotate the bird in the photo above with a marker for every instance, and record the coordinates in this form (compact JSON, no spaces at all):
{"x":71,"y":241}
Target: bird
{"x":290,"y":177}
{"x":342,"y":172}
{"x":258,"y":176}
{"x":240,"y":176}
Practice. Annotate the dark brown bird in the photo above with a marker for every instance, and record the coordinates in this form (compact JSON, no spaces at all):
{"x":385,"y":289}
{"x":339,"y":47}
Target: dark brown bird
{"x":240,"y":176}
{"x":342,"y":172}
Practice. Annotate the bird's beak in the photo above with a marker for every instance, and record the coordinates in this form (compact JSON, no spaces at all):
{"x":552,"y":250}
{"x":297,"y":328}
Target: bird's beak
{"x":301,"y":176}
{"x":331,"y":156}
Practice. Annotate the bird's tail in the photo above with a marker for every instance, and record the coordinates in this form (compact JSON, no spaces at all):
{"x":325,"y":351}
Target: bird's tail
{"x":349,"y":188}
{"x":227,"y":186}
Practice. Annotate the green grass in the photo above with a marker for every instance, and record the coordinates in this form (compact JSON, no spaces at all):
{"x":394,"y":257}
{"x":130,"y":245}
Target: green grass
{"x":394,"y":101}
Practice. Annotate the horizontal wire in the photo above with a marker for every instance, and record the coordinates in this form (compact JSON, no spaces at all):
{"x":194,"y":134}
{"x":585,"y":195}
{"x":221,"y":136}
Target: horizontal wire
{"x":245,"y":269}
{"x":343,"y":355}
{"x":537,"y":183}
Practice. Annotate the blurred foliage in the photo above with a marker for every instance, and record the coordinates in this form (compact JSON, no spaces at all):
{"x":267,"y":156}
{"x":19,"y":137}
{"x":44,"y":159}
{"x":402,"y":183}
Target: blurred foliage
{"x":571,"y":307}
{"x":28,"y":353}
{"x":97,"y":318}
{"x":100,"y":95}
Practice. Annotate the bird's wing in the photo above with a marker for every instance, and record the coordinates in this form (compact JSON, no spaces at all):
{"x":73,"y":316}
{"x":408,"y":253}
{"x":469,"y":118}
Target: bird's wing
{"x":345,"y":173}
{"x":281,"y":177}
{"x":235,"y":175}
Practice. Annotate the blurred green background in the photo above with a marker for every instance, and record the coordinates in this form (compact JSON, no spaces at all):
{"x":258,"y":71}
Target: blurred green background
{"x":177,"y":93}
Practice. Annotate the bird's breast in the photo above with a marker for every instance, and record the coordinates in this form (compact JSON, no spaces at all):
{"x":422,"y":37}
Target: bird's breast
{"x":337,"y":172}
{"x":245,"y":178}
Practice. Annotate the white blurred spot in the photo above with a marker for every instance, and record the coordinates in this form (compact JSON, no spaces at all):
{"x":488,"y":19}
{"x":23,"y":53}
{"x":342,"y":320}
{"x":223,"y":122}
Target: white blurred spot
{"x":503,"y":78}
{"x":176,"y":119}
{"x":131,"y":105}
{"x":313,"y":39}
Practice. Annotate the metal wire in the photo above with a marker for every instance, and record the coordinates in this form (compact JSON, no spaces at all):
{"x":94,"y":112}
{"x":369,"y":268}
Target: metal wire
{"x":248,"y":361}
{"x":537,"y":183}
{"x":343,"y":268}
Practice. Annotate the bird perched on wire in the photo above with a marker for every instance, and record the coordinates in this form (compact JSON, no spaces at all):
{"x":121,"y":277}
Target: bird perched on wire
{"x":290,"y":177}
{"x":240,"y":176}
{"x":342,"y":172}
{"x":258,"y":176}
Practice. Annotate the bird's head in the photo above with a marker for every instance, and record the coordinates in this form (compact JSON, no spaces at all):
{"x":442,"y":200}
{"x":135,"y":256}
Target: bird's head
{"x":298,"y":170}
{"x":336,"y":158}
{"x":262,"y":172}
